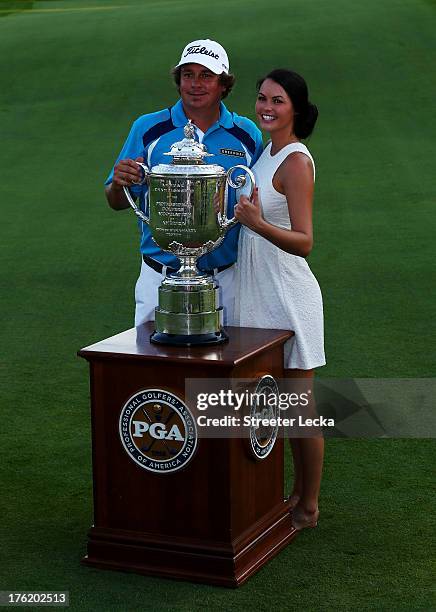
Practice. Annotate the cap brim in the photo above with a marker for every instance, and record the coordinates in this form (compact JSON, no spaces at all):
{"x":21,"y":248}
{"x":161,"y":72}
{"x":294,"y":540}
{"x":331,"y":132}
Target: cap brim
{"x":190,"y":61}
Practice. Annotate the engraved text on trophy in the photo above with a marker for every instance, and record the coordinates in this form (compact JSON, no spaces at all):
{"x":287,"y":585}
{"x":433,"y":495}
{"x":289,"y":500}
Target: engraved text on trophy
{"x":182,"y":210}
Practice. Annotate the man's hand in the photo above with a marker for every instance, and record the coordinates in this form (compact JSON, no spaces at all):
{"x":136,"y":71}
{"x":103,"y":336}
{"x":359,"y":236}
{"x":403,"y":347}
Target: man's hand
{"x":126,"y":172}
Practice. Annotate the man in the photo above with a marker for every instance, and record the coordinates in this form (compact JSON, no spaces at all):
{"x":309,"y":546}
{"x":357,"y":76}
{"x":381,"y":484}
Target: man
{"x":203,"y":79}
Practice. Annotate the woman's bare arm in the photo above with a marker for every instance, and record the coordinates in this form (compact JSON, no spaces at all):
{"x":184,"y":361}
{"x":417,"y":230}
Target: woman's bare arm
{"x":294,"y":179}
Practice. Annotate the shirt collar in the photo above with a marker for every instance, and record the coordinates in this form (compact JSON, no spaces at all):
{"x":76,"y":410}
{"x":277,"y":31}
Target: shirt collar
{"x":180,"y":120}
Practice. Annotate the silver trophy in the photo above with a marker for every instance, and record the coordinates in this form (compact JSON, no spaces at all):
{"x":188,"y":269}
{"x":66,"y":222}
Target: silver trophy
{"x":187,"y":216}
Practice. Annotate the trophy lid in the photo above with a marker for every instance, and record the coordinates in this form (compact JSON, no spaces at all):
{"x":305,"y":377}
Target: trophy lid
{"x":188,"y":151}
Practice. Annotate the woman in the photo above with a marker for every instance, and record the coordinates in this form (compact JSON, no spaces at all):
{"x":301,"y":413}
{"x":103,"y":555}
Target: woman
{"x":276,"y":288}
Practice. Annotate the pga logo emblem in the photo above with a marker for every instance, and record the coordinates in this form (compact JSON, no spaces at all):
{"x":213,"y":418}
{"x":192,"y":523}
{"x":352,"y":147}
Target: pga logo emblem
{"x":158,"y":431}
{"x":263,"y":438}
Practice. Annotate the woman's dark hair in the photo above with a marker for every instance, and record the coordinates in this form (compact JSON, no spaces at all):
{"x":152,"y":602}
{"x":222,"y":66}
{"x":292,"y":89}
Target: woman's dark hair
{"x":295,"y":86}
{"x":227,"y":80}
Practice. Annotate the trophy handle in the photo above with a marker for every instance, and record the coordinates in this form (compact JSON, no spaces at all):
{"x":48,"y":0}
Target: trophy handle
{"x":239,"y":182}
{"x":131,"y":201}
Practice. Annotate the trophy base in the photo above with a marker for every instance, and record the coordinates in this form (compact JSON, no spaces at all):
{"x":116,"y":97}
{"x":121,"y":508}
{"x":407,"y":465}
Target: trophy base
{"x":188,"y":313}
{"x":189,"y":340}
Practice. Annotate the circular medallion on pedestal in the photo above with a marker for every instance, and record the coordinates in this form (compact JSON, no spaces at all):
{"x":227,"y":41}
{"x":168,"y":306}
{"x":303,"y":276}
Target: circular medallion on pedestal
{"x":264,"y":417}
{"x":158,"y":431}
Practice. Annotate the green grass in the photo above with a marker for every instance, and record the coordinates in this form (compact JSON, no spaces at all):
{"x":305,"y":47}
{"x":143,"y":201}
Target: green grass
{"x":71,"y":83}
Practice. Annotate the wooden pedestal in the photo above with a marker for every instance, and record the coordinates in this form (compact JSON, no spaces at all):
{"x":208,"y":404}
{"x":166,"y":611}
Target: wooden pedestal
{"x":222,"y":516}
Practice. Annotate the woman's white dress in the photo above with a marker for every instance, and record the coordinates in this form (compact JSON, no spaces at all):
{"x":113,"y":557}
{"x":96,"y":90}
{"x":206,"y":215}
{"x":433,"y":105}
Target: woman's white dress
{"x":274,"y":289}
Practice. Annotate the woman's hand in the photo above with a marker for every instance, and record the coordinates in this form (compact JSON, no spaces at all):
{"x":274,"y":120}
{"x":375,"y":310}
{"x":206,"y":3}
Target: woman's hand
{"x":248,"y":212}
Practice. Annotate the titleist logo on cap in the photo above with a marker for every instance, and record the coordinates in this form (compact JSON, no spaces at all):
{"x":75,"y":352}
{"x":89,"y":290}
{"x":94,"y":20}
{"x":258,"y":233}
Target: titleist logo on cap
{"x":201,"y":50}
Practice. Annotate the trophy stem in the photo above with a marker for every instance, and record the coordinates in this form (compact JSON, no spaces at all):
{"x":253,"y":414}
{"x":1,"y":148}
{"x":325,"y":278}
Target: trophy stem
{"x":188,"y":269}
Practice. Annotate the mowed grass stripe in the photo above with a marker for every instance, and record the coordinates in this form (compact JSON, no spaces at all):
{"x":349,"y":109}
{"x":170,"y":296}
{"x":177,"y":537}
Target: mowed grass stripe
{"x":63,"y":10}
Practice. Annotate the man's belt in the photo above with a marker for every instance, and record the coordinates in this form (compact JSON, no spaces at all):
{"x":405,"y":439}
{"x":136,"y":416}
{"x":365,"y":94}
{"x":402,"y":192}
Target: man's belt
{"x":158,"y":267}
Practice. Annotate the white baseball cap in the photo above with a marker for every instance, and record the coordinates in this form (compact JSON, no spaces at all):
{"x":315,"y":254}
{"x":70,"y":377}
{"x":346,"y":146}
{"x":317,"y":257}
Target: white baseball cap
{"x":207,"y":53}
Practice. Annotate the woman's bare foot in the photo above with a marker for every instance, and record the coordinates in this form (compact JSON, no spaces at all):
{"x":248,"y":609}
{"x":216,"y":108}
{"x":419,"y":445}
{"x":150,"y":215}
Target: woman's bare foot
{"x":302,"y":519}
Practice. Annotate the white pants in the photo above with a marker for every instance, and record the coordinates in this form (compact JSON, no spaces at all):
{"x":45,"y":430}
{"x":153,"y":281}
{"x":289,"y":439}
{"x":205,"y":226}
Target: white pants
{"x":146,"y":294}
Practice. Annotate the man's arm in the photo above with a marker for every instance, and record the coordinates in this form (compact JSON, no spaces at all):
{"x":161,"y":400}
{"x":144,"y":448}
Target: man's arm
{"x":126,"y":172}
{"x":116,"y":197}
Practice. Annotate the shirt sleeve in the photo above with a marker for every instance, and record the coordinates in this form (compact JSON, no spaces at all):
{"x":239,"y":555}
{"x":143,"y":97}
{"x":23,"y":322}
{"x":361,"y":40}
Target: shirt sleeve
{"x":259,"y":147}
{"x":132,"y":148}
